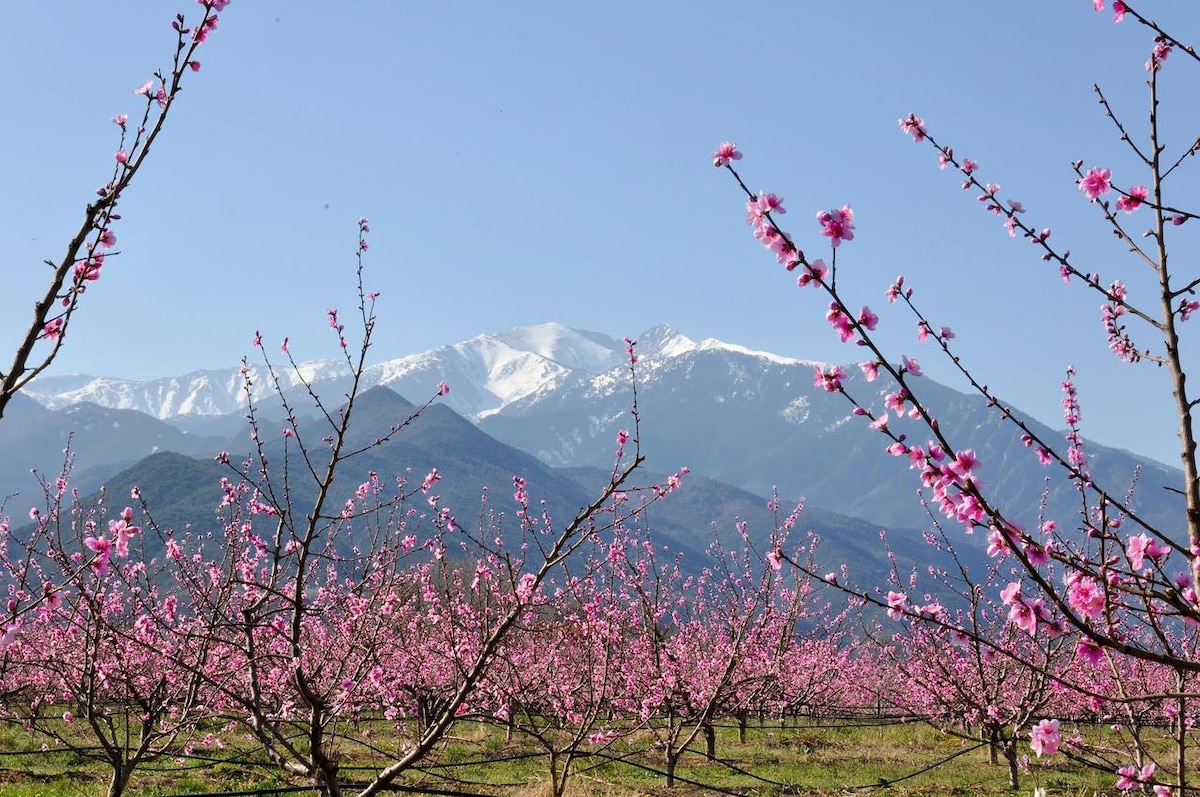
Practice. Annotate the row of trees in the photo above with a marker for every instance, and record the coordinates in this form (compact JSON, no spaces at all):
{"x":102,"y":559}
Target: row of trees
{"x":227,"y":641}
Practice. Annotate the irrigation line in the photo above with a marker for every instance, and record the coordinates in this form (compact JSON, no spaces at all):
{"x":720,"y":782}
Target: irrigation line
{"x":471,"y":763}
{"x":883,"y":784}
{"x":252,"y":792}
{"x":463,"y":781}
{"x":791,"y":787}
{"x":395,"y":787}
{"x":422,"y":790}
{"x":679,"y":778}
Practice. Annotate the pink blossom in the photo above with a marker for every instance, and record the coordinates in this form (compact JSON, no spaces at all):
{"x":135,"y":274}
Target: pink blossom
{"x":53,"y":329}
{"x":895,"y":401}
{"x":122,"y":156}
{"x":1137,"y":194}
{"x":911,"y":366}
{"x":1158,"y":55}
{"x":763,"y":204}
{"x":775,"y":559}
{"x":525,"y":587}
{"x":813,"y":273}
{"x":1096,"y":183}
{"x":1089,"y":651}
{"x":895,"y":602}
{"x":144,"y":88}
{"x":102,"y":546}
{"x":602,"y":737}
{"x":913,"y":125}
{"x":443,"y":388}
{"x":830,"y":380}
{"x":725,"y":153}
{"x":120,"y":119}
{"x":837,"y":225}
{"x":1024,"y":616}
{"x":1119,"y":8}
{"x":1086,"y":596}
{"x":1130,"y":778}
{"x":122,"y":530}
{"x":1045,"y":738}
{"x":1141,"y":547}
{"x":840,"y":322}
{"x":870,"y":370}
{"x":201,"y":32}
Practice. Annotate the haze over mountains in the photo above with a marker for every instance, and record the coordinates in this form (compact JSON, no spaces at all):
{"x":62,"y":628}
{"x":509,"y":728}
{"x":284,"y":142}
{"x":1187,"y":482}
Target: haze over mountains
{"x":750,"y":419}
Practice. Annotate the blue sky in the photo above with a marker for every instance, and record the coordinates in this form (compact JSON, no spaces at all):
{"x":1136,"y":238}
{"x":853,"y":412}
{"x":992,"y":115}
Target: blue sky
{"x":550,"y":161}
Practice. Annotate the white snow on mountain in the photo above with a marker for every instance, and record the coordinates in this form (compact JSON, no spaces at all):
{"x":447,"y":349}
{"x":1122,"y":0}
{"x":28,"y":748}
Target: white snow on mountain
{"x":486,"y":373}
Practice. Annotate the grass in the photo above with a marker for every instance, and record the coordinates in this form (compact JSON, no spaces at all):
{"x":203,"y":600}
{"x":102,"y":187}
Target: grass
{"x":805,"y":758}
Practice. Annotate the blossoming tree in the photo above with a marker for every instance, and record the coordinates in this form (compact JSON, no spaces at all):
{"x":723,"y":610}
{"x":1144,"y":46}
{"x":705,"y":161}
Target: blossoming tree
{"x":1109,"y":577}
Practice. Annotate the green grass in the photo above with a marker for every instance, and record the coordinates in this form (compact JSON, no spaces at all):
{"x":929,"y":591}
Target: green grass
{"x":807,"y":758}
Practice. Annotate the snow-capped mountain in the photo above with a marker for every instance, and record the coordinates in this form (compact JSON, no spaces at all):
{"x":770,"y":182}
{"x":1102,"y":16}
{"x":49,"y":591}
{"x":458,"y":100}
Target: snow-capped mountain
{"x":486,"y":373}
{"x":749,"y":418}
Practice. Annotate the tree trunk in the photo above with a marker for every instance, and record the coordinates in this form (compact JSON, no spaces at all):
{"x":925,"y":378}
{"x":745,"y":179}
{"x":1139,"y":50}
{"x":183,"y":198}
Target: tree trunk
{"x":710,"y":741}
{"x":1010,"y":755}
{"x":672,"y":760}
{"x":741,"y":721}
{"x":120,"y":778}
{"x":556,"y":786}
{"x":325,"y":781}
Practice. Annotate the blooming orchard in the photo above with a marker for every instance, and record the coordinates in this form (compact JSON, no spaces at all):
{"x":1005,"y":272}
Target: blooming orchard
{"x":1121,"y":587}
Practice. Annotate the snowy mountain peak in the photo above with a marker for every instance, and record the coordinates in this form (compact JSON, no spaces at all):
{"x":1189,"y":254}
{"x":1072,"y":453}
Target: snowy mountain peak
{"x":664,"y":341}
{"x":574,"y":349}
{"x":486,"y":373}
{"x":712,"y":344}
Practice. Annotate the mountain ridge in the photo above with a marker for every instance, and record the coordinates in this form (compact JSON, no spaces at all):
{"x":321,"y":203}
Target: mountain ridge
{"x":749,"y":418}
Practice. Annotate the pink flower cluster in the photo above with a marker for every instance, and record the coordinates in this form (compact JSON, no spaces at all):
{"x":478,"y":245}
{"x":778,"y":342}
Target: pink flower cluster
{"x":828,"y":379}
{"x":837,"y":225}
{"x":1141,"y":548}
{"x":913,"y":125}
{"x":1159,"y":54}
{"x":1096,"y":183}
{"x":725,"y":153}
{"x":1045,"y":738}
{"x":122,"y":530}
{"x":1133,"y":198}
{"x":1119,"y":9}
